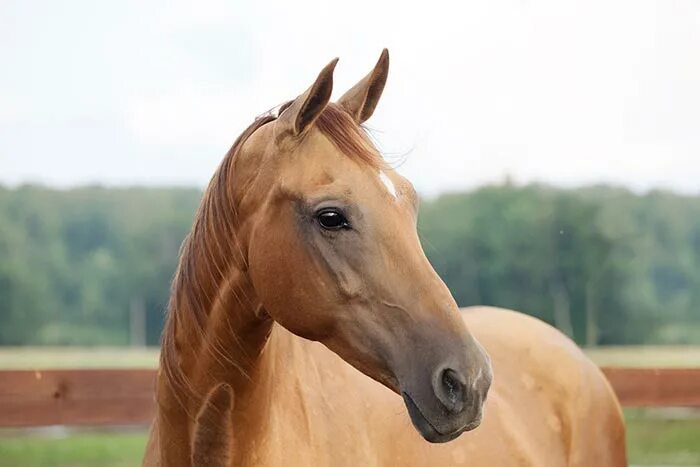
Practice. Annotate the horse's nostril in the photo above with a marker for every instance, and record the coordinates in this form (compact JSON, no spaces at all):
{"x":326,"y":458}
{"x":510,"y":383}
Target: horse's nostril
{"x":452,"y":386}
{"x":451,"y":391}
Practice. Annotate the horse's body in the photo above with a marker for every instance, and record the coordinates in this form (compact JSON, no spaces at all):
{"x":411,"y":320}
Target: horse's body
{"x":548,"y":406}
{"x":274,"y":294}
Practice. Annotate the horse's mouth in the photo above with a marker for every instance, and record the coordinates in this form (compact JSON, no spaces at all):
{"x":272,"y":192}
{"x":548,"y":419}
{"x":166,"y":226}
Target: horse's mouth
{"x":426,"y":428}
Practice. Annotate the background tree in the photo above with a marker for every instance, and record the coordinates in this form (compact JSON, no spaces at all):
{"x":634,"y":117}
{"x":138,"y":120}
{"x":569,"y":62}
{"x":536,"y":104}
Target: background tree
{"x":603,"y":264}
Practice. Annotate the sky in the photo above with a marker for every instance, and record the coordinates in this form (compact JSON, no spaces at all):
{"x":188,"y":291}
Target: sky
{"x":154,"y":93}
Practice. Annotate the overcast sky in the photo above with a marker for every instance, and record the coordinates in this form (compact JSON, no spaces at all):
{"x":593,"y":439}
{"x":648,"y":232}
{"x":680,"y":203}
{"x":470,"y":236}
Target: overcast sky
{"x":569,"y":93}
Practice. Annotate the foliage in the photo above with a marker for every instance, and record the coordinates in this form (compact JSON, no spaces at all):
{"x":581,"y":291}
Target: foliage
{"x":72,"y":262}
{"x":605,"y":265}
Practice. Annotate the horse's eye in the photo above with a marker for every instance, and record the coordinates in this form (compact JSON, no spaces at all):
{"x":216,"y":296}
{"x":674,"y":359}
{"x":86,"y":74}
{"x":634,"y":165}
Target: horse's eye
{"x":332,"y":219}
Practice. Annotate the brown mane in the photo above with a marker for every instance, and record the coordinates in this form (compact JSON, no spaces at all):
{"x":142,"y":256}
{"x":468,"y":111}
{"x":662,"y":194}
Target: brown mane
{"x":208,"y":253}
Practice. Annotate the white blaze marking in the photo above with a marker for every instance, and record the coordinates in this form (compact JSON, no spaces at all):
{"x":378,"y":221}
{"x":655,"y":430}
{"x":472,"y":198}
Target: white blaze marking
{"x":387,"y":183}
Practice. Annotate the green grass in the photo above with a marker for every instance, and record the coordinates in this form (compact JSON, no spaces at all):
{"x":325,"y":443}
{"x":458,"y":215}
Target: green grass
{"x":76,"y":450}
{"x":656,"y":441}
{"x":651,"y":440}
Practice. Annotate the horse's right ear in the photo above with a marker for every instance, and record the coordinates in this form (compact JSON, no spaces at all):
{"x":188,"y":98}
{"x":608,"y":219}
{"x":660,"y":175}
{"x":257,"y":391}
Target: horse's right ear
{"x":213,"y":430}
{"x":361,"y":100}
{"x":303,"y":111}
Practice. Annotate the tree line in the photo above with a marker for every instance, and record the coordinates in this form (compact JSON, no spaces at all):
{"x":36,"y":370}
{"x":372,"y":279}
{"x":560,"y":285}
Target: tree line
{"x":93,"y":265}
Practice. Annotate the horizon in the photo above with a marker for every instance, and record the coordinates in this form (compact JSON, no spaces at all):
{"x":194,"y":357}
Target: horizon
{"x":505,"y":182}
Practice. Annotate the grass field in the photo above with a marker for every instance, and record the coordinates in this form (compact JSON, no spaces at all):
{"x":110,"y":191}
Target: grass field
{"x":651,"y":440}
{"x":74,"y":449}
{"x":124,"y":357}
{"x":20,"y":358}
{"x":646,"y":356}
{"x":655,"y":437}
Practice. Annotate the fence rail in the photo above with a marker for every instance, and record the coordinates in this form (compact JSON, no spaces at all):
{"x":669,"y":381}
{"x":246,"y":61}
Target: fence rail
{"x":125,"y":397}
{"x":76,"y":397}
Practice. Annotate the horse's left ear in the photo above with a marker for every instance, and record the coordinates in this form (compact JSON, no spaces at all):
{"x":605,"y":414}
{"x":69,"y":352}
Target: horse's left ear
{"x":361,"y":100}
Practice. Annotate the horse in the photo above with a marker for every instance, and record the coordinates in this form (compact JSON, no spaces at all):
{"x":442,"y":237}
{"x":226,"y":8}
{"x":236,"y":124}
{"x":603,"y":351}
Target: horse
{"x":303,"y":293}
{"x":212,"y":431}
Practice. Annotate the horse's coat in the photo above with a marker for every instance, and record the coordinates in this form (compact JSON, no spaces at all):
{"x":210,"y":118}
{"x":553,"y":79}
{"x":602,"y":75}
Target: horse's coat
{"x":213,"y":433}
{"x":303,"y":286}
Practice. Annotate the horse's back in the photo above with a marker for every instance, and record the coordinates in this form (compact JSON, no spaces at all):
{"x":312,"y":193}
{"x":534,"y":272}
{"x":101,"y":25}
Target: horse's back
{"x":550,"y":399}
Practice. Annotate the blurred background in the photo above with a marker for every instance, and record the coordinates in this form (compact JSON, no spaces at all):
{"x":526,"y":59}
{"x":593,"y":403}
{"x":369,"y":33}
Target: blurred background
{"x":555,"y":146}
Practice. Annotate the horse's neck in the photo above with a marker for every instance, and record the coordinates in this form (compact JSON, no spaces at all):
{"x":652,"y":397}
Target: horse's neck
{"x":233,"y":338}
{"x":284,"y":407}
{"x":225,"y":345}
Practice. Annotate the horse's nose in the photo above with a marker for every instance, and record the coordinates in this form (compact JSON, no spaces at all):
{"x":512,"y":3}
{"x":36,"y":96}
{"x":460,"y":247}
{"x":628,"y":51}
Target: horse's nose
{"x":451,"y":390}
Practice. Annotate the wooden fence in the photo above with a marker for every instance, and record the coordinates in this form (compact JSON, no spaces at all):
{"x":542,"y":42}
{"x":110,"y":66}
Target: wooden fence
{"x":125,"y":397}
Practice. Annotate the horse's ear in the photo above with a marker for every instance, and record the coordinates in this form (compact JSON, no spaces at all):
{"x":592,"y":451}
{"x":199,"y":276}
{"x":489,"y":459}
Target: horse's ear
{"x":213,"y":431}
{"x":303,"y":111}
{"x":361,"y":100}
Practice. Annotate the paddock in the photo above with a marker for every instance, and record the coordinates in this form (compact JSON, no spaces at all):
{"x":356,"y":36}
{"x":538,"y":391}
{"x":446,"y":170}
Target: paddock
{"x":108,"y":397}
{"x":68,"y":404}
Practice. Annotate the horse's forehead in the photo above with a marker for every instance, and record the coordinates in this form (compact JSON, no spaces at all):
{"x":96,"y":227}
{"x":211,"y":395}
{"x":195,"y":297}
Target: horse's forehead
{"x":317,"y":156}
{"x":316,"y":161}
{"x":322,"y":163}
{"x":321,"y":148}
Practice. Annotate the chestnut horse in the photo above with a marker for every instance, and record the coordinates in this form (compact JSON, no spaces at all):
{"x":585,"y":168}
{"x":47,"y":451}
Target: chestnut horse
{"x":306,"y":326}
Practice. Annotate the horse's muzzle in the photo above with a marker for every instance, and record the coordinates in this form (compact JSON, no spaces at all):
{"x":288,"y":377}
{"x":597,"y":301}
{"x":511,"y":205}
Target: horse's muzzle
{"x":451,"y":404}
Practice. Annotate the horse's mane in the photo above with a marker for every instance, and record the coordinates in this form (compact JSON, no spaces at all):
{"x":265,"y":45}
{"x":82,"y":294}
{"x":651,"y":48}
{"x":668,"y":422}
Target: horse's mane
{"x":211,"y":250}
